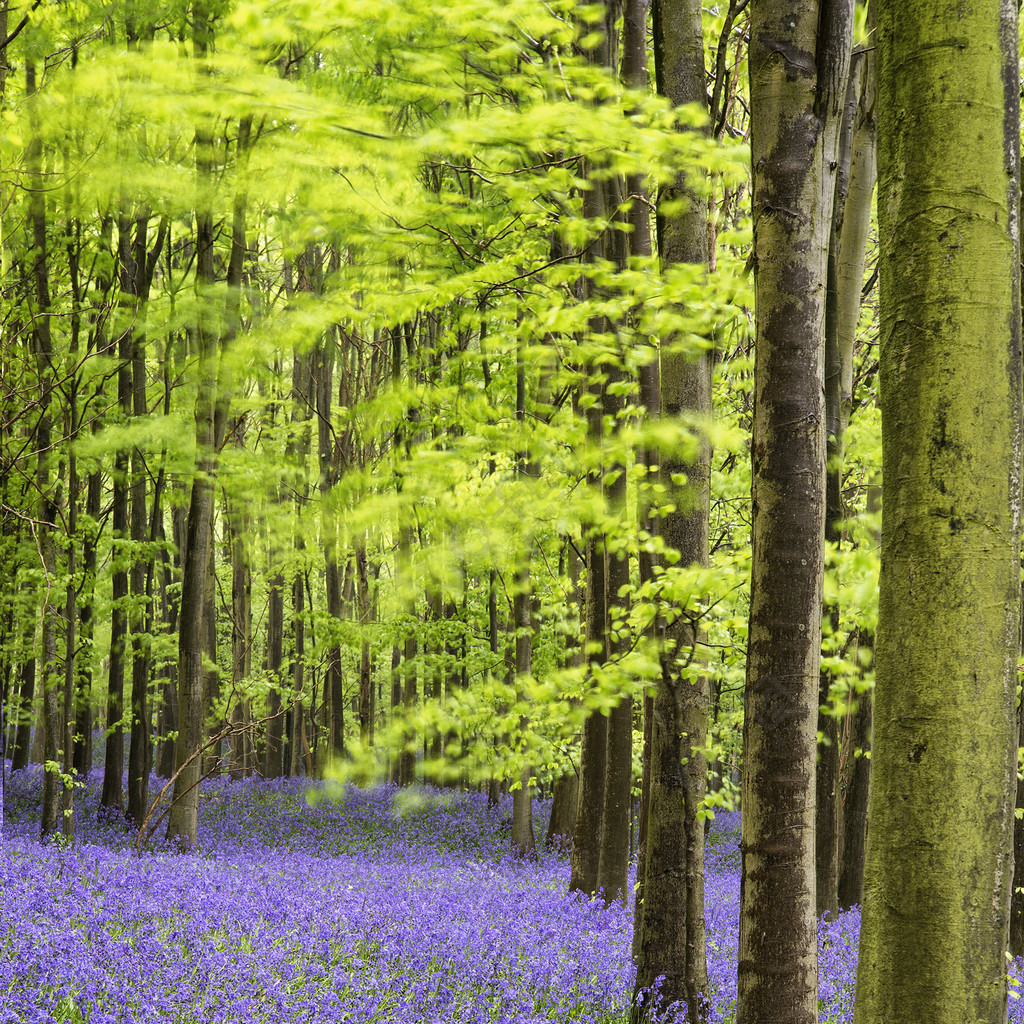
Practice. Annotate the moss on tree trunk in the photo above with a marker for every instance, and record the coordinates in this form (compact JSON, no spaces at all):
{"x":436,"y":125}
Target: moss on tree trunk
{"x":938,"y":874}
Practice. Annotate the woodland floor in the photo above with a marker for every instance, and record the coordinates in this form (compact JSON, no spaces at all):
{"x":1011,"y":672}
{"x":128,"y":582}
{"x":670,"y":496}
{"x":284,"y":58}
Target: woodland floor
{"x":362,"y":906}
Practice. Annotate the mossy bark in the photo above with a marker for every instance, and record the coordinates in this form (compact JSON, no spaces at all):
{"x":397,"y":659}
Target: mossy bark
{"x":799,"y":61}
{"x":939,"y":861}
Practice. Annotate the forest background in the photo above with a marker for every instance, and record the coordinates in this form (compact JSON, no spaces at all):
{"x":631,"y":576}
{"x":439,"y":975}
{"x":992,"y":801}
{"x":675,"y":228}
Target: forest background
{"x":378,"y":400}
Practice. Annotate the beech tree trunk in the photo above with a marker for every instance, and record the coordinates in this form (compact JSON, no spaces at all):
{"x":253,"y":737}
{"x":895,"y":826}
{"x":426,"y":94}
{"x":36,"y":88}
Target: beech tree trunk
{"x":799,"y":61}
{"x":672,"y":942}
{"x":523,"y":844}
{"x":940,"y":839}
{"x":212,"y":329}
{"x":43,"y":350}
{"x":855,"y":807}
{"x":273,"y":763}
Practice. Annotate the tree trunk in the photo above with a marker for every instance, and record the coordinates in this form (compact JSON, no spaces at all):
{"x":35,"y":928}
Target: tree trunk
{"x":47,"y":514}
{"x":523,"y":844}
{"x":366,"y":696}
{"x":112,"y":795}
{"x":183,"y":818}
{"x":940,"y":842}
{"x":84,"y":665}
{"x":241,"y":643}
{"x":138,"y":265}
{"x":1016,"y":945}
{"x":184,"y":815}
{"x":826,"y":824}
{"x":213,"y":723}
{"x":671,"y":942}
{"x":855,"y":807}
{"x":799,"y":59}
{"x":273,"y":766}
{"x":22,"y":726}
{"x":847,"y":249}
{"x":563,"y":812}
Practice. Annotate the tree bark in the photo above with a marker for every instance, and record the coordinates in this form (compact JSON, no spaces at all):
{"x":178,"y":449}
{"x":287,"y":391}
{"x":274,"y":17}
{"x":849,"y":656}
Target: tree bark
{"x":42,"y":345}
{"x":563,"y":812}
{"x":855,"y":807}
{"x":940,"y":842}
{"x":671,"y":943}
{"x":847,"y":250}
{"x":183,"y":818}
{"x":1016,"y":944}
{"x":273,"y":764}
{"x":22,"y":726}
{"x":523,"y":844}
{"x":799,"y":60}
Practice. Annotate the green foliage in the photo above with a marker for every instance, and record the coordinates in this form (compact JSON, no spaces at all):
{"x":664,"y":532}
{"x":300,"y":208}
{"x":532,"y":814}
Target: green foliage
{"x":413,"y":240}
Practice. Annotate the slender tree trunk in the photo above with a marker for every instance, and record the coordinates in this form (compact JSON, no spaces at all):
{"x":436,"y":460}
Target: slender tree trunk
{"x":939,"y":865}
{"x":297,"y":739}
{"x":85,"y":663}
{"x":70,"y":628}
{"x":522,"y":803}
{"x":241,"y":645}
{"x":366,"y":696}
{"x":588,"y":829}
{"x":213,"y":720}
{"x":563,"y":812}
{"x":112,"y":795}
{"x":183,"y":818}
{"x":137,"y":276}
{"x":273,"y":766}
{"x":847,"y":249}
{"x":855,"y":807}
{"x":26,"y":698}
{"x":826,"y":822}
{"x":799,"y":59}
{"x":43,"y":350}
{"x":523,"y":844}
{"x":407,"y":770}
{"x":671,"y":942}
{"x":601,"y":840}
{"x":168,"y":723}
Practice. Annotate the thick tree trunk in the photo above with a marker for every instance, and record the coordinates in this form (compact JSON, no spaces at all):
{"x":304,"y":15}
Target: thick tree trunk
{"x":938,"y":876}
{"x":1016,"y":945}
{"x":799,"y":59}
